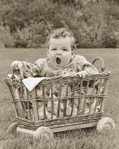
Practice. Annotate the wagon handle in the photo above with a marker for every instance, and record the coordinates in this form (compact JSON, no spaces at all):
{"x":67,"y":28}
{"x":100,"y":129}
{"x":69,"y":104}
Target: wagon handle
{"x":102,"y":61}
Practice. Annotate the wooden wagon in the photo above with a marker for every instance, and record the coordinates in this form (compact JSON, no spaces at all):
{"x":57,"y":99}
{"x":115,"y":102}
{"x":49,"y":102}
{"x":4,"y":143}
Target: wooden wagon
{"x":80,"y":107}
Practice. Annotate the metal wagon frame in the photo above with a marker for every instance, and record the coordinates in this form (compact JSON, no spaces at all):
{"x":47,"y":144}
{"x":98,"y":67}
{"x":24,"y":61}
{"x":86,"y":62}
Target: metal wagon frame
{"x":22,"y":99}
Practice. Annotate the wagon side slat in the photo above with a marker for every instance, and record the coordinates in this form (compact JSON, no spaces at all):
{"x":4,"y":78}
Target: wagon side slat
{"x":14,"y":103}
{"x":58,"y":107}
{"x":27,"y":103}
{"x":106,"y":84}
{"x":35,"y":109}
{"x":65,"y":101}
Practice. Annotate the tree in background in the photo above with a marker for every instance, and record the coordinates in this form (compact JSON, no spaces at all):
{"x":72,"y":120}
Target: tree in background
{"x":94,"y":25}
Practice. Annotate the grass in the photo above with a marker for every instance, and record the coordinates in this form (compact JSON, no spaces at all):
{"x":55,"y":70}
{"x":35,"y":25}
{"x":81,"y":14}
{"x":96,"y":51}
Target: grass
{"x":77,"y":139}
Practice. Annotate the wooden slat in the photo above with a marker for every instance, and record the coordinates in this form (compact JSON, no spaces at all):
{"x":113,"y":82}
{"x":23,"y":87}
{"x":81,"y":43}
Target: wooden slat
{"x":35,"y":111}
{"x":79,"y":100}
{"x":106,"y":83}
{"x":31,"y":112}
{"x":61,"y":128}
{"x":58,"y":107}
{"x":36,"y":102}
{"x":65,"y":102}
{"x":84,"y":102}
{"x":27,"y":103}
{"x":18,"y":103}
{"x":101,"y":84}
{"x":43,"y":95}
{"x":52,"y":103}
{"x":92,"y":100}
{"x":72,"y":104}
{"x":98,"y":93}
{"x":23,"y":102}
{"x":24,"y":130}
{"x":87,"y":87}
{"x":73,"y":127}
{"x":95,"y":100}
{"x":14,"y":103}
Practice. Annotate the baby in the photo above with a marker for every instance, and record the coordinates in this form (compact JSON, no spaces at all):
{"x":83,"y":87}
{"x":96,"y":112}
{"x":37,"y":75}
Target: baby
{"x":60,"y":55}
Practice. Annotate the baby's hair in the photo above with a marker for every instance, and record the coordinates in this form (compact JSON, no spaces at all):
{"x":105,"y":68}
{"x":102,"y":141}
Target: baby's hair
{"x":62,"y":33}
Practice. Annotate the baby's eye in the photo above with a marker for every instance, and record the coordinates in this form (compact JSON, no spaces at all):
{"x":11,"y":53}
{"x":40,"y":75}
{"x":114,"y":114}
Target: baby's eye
{"x":54,"y":49}
{"x":64,"y":49}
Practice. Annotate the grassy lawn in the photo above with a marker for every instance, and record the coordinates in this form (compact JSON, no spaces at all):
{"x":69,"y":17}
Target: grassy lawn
{"x":77,"y":139}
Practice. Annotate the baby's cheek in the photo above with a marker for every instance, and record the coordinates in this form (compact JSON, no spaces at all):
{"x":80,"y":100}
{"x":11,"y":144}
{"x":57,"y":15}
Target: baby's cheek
{"x":65,"y":61}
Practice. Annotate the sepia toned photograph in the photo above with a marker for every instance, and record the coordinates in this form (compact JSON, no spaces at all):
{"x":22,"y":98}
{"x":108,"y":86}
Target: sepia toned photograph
{"x":59,"y":85}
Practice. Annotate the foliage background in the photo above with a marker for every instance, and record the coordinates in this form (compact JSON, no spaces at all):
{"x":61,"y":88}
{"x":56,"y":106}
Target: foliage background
{"x":27,"y":23}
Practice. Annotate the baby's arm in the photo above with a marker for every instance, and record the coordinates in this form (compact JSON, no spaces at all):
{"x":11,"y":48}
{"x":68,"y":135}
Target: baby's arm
{"x":44,"y":69}
{"x":24,"y":69}
{"x":84,"y":68}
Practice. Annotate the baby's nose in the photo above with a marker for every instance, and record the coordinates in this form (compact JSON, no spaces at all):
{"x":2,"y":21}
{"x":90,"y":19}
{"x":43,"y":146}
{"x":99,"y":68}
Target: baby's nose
{"x":59,"y":51}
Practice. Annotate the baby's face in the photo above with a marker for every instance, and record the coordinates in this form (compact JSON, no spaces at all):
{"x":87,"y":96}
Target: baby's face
{"x":59,"y":52}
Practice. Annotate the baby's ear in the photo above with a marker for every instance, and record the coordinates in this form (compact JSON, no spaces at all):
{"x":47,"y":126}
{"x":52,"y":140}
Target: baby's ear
{"x":72,"y":54}
{"x":74,"y":47}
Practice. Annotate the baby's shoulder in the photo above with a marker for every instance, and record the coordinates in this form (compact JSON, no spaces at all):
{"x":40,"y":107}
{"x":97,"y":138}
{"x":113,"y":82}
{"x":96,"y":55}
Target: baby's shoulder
{"x":41,"y":61}
{"x":78,"y":58}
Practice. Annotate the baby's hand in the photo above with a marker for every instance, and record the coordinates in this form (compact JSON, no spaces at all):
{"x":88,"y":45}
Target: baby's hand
{"x":68,"y":72}
{"x":82,"y":74}
{"x":16,"y":68}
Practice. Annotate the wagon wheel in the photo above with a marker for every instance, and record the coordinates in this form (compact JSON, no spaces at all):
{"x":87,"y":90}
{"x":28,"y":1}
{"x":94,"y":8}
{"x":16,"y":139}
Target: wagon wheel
{"x":105,"y":123}
{"x":43,"y":133}
{"x":12,"y":128}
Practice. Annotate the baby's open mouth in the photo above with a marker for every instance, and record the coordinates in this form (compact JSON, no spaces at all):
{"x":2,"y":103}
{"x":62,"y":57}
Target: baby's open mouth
{"x":58,"y":60}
